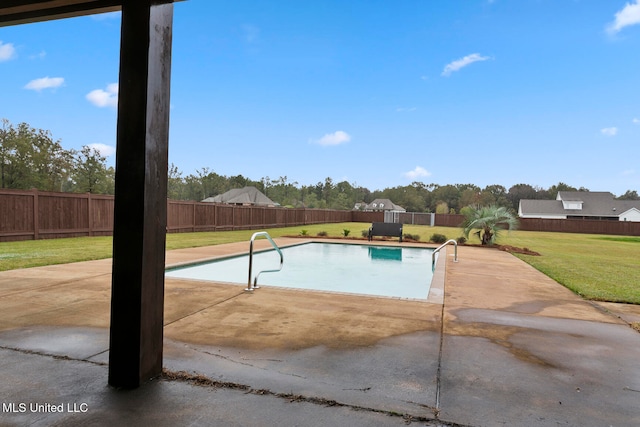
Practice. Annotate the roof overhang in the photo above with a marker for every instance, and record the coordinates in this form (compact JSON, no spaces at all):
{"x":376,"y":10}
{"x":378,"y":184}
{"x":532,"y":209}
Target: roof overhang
{"x":13,"y":12}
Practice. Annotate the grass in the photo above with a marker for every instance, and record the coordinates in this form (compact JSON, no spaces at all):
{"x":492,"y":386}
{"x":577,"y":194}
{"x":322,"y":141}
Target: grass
{"x":35,"y":253}
{"x":602,"y":268}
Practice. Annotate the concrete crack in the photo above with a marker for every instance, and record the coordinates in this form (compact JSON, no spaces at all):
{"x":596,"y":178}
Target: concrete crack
{"x":203,"y":381}
{"x":53,"y":356}
{"x":229,"y":359}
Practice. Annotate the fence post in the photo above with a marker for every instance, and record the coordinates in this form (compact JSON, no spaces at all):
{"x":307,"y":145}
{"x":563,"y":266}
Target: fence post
{"x":193,"y":218}
{"x":90,"y":214}
{"x":36,"y":216}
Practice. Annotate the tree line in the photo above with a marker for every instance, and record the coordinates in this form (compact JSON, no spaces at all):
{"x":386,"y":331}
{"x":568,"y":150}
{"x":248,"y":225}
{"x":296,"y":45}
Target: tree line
{"x":31,"y":158}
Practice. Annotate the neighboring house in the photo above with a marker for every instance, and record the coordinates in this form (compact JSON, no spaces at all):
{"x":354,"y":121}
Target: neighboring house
{"x":247,"y":196}
{"x":384,"y":205}
{"x":581,"y":205}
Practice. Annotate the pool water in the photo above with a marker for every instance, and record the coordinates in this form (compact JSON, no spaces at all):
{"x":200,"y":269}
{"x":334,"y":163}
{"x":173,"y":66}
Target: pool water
{"x":362,"y":269}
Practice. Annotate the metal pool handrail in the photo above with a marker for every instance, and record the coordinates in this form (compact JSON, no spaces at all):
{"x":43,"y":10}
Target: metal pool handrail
{"x":455,"y":256}
{"x":255,"y":282}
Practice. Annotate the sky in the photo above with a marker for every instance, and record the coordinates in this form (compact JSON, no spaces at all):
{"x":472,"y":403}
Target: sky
{"x":376,"y":93}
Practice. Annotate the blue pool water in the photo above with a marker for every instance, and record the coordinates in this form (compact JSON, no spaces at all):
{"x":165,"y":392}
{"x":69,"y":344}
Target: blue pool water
{"x":373,"y":270}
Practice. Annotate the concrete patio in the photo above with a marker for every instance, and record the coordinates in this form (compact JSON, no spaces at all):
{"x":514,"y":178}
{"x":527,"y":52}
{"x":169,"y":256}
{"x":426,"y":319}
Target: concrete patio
{"x":508,"y":346}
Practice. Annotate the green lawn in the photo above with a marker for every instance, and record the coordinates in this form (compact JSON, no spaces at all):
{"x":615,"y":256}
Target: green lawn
{"x":601,"y":268}
{"x":604,"y":268}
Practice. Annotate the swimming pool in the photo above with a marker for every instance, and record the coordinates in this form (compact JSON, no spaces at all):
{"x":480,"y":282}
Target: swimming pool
{"x":403,"y":272}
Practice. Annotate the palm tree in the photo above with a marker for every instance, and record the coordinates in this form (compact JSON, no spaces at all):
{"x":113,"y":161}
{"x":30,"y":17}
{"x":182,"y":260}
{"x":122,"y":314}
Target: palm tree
{"x":488,"y":220}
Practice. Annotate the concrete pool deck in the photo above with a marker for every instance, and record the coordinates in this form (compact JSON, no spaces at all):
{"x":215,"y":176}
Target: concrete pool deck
{"x":509,"y":346}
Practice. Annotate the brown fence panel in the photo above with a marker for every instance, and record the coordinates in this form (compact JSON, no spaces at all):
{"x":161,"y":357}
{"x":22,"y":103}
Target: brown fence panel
{"x":101,"y":215}
{"x":360,"y":216}
{"x":242,"y":217}
{"x":257,"y":217}
{"x":341,"y":216}
{"x":180,"y":216}
{"x":17,"y":215}
{"x":205,"y":218}
{"x":448,"y":220}
{"x":300,"y":216}
{"x":280,"y":217}
{"x":224,"y":217}
{"x":270,"y":217}
{"x":289,"y":218}
{"x":316,"y":216}
{"x":587,"y":226}
{"x":63,"y":215}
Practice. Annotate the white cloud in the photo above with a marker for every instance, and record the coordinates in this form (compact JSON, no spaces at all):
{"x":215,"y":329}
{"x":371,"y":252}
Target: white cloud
{"x":636,"y":121}
{"x":629,"y":15}
{"x":104,"y":98}
{"x":609,"y":131}
{"x":462,"y":62}
{"x":418,"y":172}
{"x":336,"y":138}
{"x":7,"y":51}
{"x":628,"y":172}
{"x":45,"y":83}
{"x":104,"y":149}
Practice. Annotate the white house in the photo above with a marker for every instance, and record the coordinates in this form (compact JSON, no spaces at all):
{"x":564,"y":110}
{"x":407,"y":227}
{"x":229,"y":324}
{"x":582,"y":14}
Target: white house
{"x":581,"y":205}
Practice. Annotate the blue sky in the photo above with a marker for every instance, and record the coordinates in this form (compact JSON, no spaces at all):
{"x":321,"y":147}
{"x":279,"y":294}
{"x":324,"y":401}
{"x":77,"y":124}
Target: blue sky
{"x":377,"y":93}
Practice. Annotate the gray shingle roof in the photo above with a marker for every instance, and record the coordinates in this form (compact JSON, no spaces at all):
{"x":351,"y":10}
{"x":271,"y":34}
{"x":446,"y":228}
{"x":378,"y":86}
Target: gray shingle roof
{"x":542,"y":207}
{"x":242,"y":196}
{"x":594,"y":203}
{"x":387,"y":205}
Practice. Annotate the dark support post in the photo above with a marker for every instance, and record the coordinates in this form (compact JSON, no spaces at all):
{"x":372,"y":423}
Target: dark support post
{"x":137,"y":296}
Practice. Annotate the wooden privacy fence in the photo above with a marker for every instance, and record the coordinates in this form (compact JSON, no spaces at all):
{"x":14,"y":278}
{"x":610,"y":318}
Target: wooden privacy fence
{"x":586,"y":226}
{"x":197,"y":216}
{"x":33,"y":215}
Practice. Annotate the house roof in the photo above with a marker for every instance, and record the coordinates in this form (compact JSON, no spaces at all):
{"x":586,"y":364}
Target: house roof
{"x":542,"y":207}
{"x":384,"y":205}
{"x":594,"y":203}
{"x":242,"y":196}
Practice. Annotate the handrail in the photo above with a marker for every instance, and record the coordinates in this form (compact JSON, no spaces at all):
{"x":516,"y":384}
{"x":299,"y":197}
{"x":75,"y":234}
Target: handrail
{"x":255,"y":282}
{"x":436,"y":250}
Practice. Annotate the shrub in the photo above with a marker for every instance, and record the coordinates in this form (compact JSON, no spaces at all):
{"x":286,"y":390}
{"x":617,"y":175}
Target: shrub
{"x":304,"y":232}
{"x":365,"y":233}
{"x":323,"y":234}
{"x":346,"y":232}
{"x":438,"y":238}
{"x":414,"y":237}
{"x":461,"y":240}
